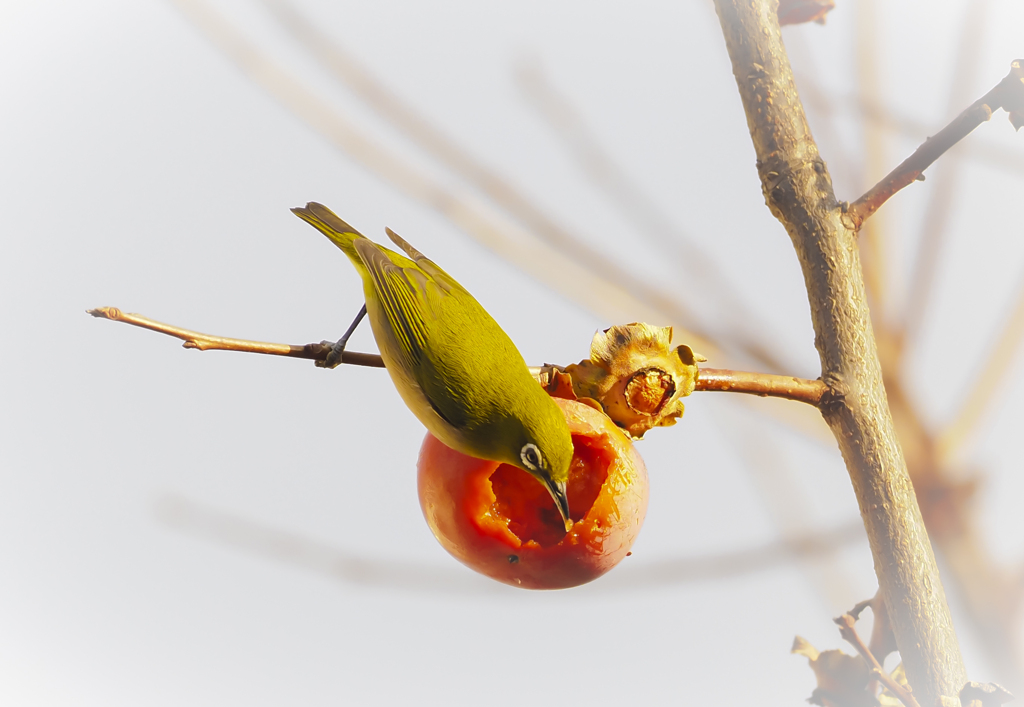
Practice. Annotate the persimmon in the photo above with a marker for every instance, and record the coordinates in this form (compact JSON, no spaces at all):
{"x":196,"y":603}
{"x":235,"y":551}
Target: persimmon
{"x":498,"y":520}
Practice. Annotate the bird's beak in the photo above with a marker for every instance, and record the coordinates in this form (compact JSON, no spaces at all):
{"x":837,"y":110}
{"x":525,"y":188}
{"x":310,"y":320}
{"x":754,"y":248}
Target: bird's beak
{"x":557,"y":491}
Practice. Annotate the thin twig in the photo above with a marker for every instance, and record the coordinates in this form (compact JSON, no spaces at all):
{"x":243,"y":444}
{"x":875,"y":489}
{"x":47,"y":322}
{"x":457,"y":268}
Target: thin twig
{"x":206,"y":342}
{"x":911,"y":169}
{"x":801,"y":390}
{"x":763,"y":384}
{"x":846,"y":624}
{"x":829,"y":103}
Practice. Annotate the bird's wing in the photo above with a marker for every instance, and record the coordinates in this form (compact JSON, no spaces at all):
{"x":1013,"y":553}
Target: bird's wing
{"x":410,"y":297}
{"x":443,"y":279}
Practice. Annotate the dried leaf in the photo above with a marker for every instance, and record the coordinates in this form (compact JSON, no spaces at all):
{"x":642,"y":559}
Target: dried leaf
{"x":801,"y":646}
{"x":976,"y":694}
{"x":559,"y":384}
{"x":843,"y":680}
{"x":637,"y":376}
{"x":794,"y":12}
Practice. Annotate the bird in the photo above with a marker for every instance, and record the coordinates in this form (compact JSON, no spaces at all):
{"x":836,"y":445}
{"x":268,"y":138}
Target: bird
{"x":453,"y":365}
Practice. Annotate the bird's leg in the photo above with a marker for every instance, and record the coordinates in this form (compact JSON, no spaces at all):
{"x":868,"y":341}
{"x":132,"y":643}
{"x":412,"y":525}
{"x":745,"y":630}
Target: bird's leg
{"x":338,"y":347}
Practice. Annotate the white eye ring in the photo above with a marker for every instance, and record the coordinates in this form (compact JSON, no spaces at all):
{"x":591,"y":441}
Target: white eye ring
{"x":531,"y":456}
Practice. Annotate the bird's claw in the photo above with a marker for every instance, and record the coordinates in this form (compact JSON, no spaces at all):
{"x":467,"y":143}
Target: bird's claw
{"x":333,"y":359}
{"x":337,"y":349}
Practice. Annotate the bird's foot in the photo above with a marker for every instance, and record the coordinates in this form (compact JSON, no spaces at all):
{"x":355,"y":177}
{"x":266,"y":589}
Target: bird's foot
{"x":333,"y":359}
{"x":337,"y":349}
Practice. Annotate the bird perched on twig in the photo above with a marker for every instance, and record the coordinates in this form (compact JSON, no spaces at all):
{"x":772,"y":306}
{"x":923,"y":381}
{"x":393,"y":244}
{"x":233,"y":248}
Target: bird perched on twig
{"x":454,"y":367}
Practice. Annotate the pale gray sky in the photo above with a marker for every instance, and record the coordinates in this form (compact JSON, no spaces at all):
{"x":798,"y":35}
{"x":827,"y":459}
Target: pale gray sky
{"x":140,"y":167}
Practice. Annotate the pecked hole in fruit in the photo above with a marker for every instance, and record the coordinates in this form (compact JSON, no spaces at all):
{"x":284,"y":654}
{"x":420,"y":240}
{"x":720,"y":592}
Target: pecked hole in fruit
{"x":529,"y":508}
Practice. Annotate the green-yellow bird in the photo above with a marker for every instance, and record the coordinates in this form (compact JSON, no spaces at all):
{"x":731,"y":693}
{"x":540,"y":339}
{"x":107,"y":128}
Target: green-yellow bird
{"x":453,"y":365}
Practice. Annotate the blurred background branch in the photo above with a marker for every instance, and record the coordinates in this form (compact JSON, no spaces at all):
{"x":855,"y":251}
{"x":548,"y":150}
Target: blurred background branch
{"x":605,"y":288}
{"x":151,"y":150}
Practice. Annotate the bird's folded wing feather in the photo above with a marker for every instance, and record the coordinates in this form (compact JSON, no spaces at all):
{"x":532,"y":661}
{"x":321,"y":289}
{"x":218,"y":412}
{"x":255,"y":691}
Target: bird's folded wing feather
{"x":428,"y":266}
{"x":410,"y":297}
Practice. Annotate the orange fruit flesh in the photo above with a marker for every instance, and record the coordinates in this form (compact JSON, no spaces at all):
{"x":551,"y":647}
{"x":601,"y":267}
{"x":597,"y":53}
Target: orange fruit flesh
{"x":528,"y":508}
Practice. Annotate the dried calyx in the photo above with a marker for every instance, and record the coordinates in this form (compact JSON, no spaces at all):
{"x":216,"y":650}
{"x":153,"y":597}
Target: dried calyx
{"x":634,"y":375}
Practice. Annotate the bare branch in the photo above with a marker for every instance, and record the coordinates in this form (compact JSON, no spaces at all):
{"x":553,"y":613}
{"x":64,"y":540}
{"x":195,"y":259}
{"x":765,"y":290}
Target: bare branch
{"x":847,"y":630}
{"x":206,"y":342}
{"x":801,"y":390}
{"x":1003,"y":95}
{"x":798,"y":190}
{"x":827,"y":103}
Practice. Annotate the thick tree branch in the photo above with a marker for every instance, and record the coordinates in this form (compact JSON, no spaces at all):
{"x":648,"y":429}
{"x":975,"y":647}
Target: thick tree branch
{"x":798,"y":190}
{"x":1007,"y":94}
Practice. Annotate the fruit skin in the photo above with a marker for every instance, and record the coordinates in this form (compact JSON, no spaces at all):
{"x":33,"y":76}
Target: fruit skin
{"x":461,"y":508}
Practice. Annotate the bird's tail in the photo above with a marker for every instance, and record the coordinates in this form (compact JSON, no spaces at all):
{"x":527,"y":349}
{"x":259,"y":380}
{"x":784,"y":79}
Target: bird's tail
{"x":328,"y":223}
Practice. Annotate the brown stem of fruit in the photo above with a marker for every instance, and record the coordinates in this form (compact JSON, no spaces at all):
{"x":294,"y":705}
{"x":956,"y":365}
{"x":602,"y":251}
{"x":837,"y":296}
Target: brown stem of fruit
{"x":802,"y":390}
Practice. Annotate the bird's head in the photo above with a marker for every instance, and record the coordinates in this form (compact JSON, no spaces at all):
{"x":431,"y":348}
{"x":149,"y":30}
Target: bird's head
{"x":544,"y":450}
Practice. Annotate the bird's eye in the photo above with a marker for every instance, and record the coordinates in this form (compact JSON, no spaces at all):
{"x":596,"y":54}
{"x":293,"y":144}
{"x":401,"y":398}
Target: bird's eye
{"x":531,"y":456}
